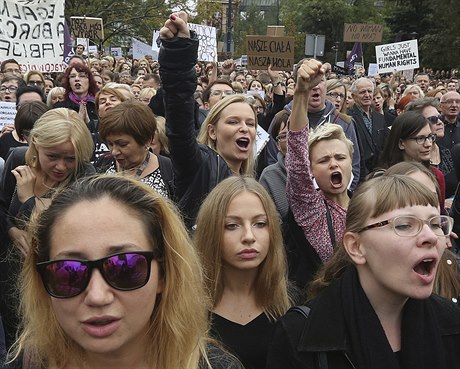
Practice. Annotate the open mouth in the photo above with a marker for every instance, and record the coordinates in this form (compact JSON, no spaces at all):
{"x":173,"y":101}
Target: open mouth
{"x":336,"y":178}
{"x":77,"y":85}
{"x":316,"y":95}
{"x":243,"y":142}
{"x":425,"y":267}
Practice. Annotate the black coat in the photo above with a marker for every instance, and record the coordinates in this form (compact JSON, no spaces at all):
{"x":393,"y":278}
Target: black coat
{"x":321,"y":341}
{"x":370,"y":144}
{"x":197,"y":168}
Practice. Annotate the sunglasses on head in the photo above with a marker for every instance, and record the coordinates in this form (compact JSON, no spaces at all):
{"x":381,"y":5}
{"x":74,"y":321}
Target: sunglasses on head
{"x":434,"y":119}
{"x":125,"y":271}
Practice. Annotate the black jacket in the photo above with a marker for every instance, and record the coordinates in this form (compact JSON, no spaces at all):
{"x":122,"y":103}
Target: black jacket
{"x":370,"y":145}
{"x":197,"y":168}
{"x":321,"y":341}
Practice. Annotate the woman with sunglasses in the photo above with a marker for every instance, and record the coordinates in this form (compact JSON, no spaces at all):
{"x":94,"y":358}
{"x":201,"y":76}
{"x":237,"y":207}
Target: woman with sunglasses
{"x":441,"y":157}
{"x":113,"y":282}
{"x":372,"y":305}
{"x":226,"y":141}
{"x":411,"y":138}
{"x":35,"y":78}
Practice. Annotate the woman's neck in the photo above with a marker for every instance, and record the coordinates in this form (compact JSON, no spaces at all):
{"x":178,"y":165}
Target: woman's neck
{"x":435,"y":156}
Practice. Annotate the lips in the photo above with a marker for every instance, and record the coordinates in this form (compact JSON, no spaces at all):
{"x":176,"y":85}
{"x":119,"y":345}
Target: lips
{"x":101,"y":327}
{"x":336,"y":179}
{"x":425,"y":269}
{"x":248,"y":254}
{"x":243,"y":143}
{"x":77,"y":85}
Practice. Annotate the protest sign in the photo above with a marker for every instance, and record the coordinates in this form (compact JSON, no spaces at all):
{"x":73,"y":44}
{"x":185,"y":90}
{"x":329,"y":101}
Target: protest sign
{"x":372,"y":69}
{"x":32,"y":32}
{"x":341,"y":70}
{"x":141,"y":49}
{"x":262,"y":138}
{"x":207,"y":50}
{"x":86,"y":27}
{"x":116,"y":52}
{"x":156,"y":41}
{"x":362,"y":32}
{"x":397,"y":56}
{"x":7,"y":113}
{"x":266,"y":50}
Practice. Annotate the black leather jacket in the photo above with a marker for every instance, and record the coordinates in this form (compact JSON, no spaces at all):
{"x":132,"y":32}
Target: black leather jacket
{"x":197,"y":168}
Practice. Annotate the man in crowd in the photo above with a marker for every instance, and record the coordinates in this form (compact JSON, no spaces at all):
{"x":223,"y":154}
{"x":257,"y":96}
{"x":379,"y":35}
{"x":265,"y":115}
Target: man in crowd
{"x":450,"y":108}
{"x":423,"y":81}
{"x":10,"y":67}
{"x":370,"y":126}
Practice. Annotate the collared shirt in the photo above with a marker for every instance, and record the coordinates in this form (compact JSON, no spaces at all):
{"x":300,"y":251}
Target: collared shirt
{"x":367,"y":119}
{"x":451,"y":134}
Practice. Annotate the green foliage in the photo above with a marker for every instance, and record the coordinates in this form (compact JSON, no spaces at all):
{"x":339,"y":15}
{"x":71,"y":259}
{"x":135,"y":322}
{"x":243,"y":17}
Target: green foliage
{"x":133,"y":18}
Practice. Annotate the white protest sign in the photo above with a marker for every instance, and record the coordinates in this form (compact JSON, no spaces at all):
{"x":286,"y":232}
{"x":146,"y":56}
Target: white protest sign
{"x":262,"y":138}
{"x":207,"y":50}
{"x":7,"y":113}
{"x":32,"y":32}
{"x":116,"y":52}
{"x":397,"y":56}
{"x":372,"y":69}
{"x":141,"y":49}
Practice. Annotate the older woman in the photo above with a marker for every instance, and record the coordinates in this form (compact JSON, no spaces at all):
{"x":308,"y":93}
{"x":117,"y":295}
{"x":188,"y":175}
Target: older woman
{"x":35,"y":78}
{"x":129,"y":129}
{"x":126,"y":314}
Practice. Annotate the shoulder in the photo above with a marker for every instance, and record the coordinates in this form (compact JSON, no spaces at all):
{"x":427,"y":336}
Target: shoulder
{"x":447,"y":313}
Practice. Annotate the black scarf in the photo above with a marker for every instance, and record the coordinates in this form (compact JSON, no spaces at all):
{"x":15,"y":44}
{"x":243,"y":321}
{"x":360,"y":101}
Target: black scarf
{"x":421,"y":345}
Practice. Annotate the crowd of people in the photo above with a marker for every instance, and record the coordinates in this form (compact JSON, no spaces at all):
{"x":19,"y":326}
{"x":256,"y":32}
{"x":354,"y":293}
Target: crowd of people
{"x":144,"y":224}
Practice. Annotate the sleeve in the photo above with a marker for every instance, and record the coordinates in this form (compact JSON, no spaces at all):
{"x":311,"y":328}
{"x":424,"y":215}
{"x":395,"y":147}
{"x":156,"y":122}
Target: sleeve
{"x":306,"y":203}
{"x":177,"y":59}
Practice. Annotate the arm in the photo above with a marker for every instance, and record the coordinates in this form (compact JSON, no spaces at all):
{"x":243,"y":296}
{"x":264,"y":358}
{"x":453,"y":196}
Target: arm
{"x":178,"y":55}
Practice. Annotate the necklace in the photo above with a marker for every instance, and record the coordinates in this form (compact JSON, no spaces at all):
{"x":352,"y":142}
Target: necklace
{"x":141,"y":168}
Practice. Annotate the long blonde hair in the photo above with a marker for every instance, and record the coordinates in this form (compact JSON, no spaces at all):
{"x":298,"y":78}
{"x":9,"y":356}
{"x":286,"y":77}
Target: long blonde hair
{"x":247,"y":167}
{"x":178,"y":325}
{"x":271,"y":283}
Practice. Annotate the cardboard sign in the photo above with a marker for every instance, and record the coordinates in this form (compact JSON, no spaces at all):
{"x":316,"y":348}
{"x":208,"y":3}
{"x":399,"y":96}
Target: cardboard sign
{"x":397,"y":56}
{"x":7,"y":113}
{"x":362,"y":32}
{"x":275,"y":51}
{"x":32,"y":32}
{"x":85,"y":27}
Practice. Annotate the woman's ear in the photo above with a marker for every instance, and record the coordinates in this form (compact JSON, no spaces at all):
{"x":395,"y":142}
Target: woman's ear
{"x":401,"y":144}
{"x":352,"y":244}
{"x":212,"y":132}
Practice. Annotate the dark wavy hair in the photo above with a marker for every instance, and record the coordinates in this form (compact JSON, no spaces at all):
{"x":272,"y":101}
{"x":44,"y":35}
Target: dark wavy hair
{"x":92,"y":90}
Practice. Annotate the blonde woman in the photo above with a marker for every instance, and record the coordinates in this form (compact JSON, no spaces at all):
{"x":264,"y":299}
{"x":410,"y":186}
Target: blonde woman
{"x":239,"y":239}
{"x":226,"y":140}
{"x":144,"y":307}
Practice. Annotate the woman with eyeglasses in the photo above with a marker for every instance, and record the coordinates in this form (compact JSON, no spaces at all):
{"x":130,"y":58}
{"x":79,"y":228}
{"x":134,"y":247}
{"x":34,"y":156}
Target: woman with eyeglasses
{"x":8,"y":87}
{"x":226,"y":141}
{"x":371,"y":305}
{"x":441,"y":157}
{"x":114,"y":282}
{"x":411,"y":138}
{"x":35,"y":78}
{"x":336,"y":93}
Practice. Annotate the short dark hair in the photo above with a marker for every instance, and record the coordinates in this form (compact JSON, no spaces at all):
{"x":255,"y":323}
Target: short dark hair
{"x":207,"y":91}
{"x":5,"y":62}
{"x":27,"y":115}
{"x":30,"y":88}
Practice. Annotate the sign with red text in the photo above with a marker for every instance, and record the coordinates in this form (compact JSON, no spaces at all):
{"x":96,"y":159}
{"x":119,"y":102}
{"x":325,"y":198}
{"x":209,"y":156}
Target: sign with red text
{"x":268,"y":50}
{"x":397,"y":56}
{"x":32,"y":32}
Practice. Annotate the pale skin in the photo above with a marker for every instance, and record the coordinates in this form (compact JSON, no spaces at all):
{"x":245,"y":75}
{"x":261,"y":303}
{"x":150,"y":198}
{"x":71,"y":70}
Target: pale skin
{"x":309,"y":75}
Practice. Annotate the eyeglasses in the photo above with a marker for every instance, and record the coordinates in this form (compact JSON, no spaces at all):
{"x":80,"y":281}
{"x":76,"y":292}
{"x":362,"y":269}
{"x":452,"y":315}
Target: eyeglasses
{"x":410,"y":226}
{"x":421,"y":140}
{"x":35,"y":83}
{"x":125,"y":271}
{"x":10,"y":89}
{"x":451,"y":102}
{"x":79,"y":75}
{"x":434,"y":119}
{"x":220,"y":92}
{"x":335,"y":95}
{"x":12,"y":70}
{"x":281,"y":137}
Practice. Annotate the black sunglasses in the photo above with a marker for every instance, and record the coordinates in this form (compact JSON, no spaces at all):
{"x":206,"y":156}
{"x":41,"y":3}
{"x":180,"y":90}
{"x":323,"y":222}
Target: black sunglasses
{"x":69,"y":277}
{"x":434,"y":118}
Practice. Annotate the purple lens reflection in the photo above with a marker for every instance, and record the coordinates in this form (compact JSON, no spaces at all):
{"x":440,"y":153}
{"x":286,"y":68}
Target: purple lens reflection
{"x":66,"y":278}
{"x":126,"y":271}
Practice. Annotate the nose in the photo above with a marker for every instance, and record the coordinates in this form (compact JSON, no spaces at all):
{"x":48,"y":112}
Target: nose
{"x":427,"y":238}
{"x":61,"y":165}
{"x":98,"y":292}
{"x":248,"y":235}
{"x":114,"y":150}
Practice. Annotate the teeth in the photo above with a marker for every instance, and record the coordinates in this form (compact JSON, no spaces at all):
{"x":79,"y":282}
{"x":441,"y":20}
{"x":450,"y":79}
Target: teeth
{"x":427,"y":260}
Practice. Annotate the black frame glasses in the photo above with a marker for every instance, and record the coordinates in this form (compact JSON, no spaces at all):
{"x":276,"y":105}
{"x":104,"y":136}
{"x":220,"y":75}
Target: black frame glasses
{"x":125,"y":271}
{"x":411,"y":226}
{"x":420,"y":140}
{"x":335,"y":95}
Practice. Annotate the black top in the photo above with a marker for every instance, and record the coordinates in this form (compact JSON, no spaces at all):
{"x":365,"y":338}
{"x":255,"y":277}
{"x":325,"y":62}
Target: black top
{"x":7,"y":142}
{"x":248,"y":342}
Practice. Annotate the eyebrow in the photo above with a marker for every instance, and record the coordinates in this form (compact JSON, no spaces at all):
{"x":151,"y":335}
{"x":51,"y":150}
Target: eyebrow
{"x":110,"y":251}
